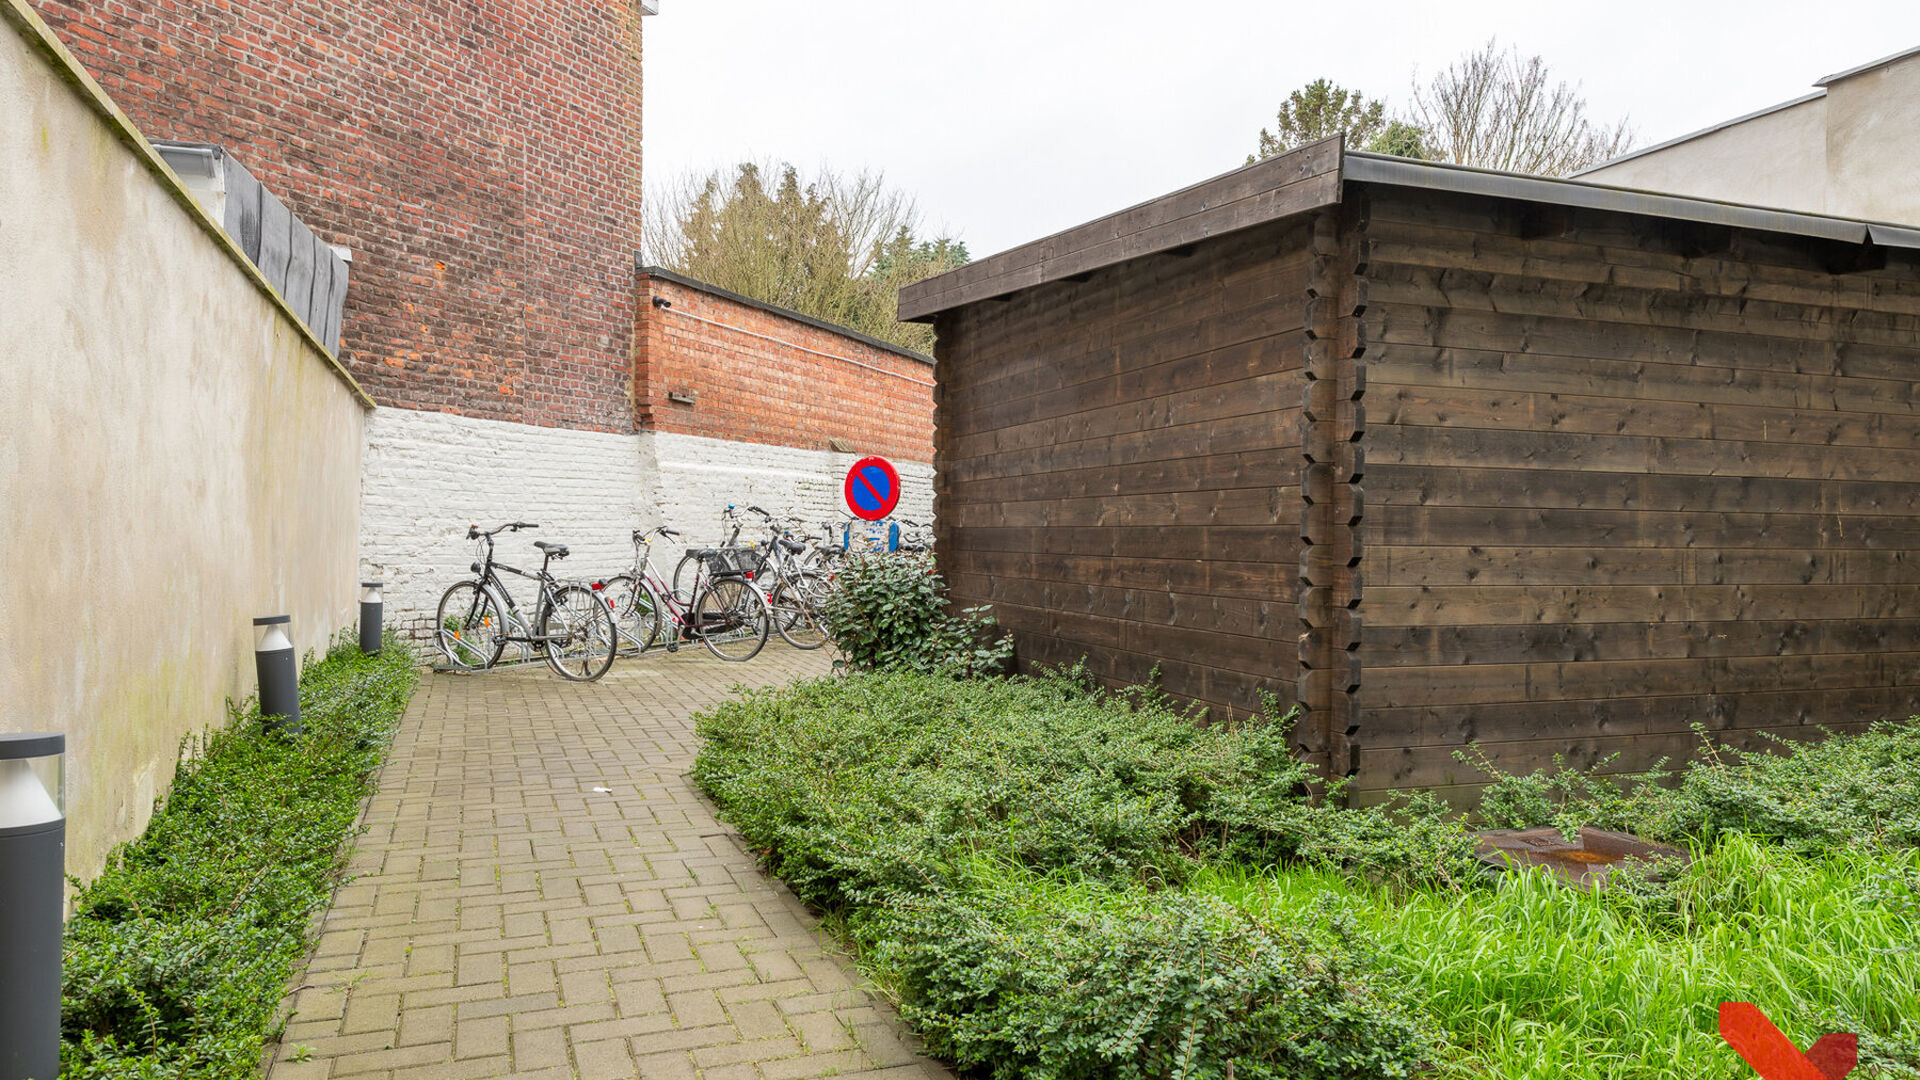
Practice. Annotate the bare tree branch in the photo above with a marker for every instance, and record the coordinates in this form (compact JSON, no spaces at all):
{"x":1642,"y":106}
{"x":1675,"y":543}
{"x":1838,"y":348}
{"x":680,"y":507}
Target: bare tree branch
{"x":1501,"y":110}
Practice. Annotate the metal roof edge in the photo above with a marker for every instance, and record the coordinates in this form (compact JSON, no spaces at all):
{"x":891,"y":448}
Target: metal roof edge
{"x":664,"y":274}
{"x":1866,"y":67}
{"x":920,"y":301}
{"x":1437,"y":176}
{"x":1703,"y":132}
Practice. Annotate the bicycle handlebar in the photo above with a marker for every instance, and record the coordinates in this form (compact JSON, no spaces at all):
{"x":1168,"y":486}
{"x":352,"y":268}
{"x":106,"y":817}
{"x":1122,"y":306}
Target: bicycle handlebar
{"x":474,"y":533}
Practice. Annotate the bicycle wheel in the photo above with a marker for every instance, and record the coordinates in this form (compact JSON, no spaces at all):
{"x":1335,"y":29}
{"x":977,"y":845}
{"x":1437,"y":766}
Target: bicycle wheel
{"x":686,"y":576}
{"x":636,"y":612}
{"x":796,"y":613}
{"x":468,"y":628}
{"x":577,"y":632}
{"x":731,"y":618}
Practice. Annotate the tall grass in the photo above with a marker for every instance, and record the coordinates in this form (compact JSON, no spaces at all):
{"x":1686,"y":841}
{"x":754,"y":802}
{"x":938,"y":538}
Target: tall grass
{"x":1534,"y":980}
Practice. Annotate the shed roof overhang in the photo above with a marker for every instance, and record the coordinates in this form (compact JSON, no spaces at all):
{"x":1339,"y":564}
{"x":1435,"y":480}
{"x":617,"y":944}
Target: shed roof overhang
{"x":1314,"y":177}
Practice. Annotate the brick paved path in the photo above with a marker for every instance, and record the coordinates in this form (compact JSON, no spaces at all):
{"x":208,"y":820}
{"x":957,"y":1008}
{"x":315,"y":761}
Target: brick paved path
{"x":506,"y":919}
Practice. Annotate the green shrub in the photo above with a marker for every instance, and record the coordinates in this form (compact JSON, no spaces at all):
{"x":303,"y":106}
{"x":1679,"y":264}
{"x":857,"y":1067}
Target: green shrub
{"x":1808,"y":796}
{"x":178,"y":954}
{"x":857,"y":784}
{"x":1031,"y":978}
{"x":890,"y":611}
{"x":1006,"y":855}
{"x":1563,"y":797}
{"x":1059,"y":882}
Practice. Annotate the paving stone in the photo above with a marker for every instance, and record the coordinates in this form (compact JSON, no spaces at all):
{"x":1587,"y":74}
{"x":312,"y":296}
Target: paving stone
{"x":606,"y":1059}
{"x":676,"y":1066}
{"x":504,"y":919}
{"x":820,"y":1031}
{"x":758,"y":1020}
{"x":428,"y":1024}
{"x":480,"y":1036}
{"x":539,"y":1049}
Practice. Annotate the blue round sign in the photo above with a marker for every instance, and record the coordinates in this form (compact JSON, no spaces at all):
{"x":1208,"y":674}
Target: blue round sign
{"x":872,"y":488}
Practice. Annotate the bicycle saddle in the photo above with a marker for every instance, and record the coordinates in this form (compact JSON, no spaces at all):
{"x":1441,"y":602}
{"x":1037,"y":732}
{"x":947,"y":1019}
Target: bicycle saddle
{"x":556,"y":551}
{"x":792,"y":547}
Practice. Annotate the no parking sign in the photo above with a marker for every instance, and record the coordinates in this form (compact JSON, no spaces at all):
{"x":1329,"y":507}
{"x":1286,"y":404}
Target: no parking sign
{"x":872,"y":488}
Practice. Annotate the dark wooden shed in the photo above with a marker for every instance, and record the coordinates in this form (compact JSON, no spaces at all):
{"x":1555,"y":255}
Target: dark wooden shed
{"x":1446,"y":455}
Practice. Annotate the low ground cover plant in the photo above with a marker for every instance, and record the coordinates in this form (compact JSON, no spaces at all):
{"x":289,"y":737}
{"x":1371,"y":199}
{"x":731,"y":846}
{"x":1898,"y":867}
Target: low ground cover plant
{"x":1809,"y":796}
{"x":1008,"y":854}
{"x":1054,"y":881}
{"x":178,"y":954}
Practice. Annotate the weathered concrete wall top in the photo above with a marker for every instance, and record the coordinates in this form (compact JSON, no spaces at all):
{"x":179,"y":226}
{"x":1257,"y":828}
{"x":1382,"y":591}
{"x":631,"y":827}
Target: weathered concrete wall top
{"x":1846,"y":149}
{"x":177,"y":453}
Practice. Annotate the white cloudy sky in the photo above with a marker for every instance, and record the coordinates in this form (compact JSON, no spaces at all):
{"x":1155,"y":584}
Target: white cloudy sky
{"x":1010,"y":119}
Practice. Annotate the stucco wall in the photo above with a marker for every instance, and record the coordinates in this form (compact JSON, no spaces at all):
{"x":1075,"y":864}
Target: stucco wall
{"x":177,"y":455}
{"x":1872,"y":155}
{"x":1778,"y":159}
{"x":1849,"y":152}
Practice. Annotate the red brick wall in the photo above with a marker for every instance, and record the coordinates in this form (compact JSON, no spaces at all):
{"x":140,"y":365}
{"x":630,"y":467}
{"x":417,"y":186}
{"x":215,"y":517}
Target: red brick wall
{"x":481,"y":160}
{"x":763,"y":377}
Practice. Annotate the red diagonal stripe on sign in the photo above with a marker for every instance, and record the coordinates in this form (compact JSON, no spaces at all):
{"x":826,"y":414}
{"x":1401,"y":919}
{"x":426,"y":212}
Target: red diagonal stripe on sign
{"x":878,"y":499}
{"x":1774,"y":1056}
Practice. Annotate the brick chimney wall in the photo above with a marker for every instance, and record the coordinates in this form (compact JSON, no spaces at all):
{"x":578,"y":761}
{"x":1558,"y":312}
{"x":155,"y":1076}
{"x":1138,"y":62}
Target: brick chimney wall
{"x":481,"y":161}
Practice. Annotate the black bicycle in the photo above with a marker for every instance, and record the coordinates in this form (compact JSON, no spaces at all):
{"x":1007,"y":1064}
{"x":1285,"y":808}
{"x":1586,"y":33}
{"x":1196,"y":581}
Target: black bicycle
{"x":572,"y":627}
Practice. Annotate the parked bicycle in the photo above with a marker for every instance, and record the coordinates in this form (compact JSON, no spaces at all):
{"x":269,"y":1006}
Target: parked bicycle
{"x":794,"y":590}
{"x":476,"y":620}
{"x":683,"y":571}
{"x":723,"y":611}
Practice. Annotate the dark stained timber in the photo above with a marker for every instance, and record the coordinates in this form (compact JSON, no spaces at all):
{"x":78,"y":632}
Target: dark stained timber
{"x":1442,"y":468}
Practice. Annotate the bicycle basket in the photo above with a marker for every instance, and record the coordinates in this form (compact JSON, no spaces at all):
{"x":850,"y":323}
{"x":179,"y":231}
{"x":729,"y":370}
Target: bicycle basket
{"x":733,"y":561}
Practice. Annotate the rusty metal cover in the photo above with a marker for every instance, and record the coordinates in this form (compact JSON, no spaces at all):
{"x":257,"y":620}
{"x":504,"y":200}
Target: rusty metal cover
{"x":1584,"y":863}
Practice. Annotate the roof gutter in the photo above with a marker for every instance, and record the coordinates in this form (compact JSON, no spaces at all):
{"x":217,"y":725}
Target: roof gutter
{"x":1370,"y":168}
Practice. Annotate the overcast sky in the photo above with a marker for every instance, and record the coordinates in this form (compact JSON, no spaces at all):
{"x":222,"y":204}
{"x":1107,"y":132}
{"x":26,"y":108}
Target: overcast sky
{"x":1011,"y":119}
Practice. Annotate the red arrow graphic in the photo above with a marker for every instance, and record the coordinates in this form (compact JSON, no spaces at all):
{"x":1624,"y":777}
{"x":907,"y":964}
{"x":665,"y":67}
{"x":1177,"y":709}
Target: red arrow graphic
{"x":1774,"y":1056}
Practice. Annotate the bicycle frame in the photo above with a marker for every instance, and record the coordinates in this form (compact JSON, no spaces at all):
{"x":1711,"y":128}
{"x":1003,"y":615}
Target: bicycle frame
{"x":676,"y":616}
{"x":490,"y":582}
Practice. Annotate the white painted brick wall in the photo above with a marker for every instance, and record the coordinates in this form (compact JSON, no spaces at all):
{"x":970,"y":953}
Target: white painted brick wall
{"x":698,"y":477}
{"x":426,"y":476}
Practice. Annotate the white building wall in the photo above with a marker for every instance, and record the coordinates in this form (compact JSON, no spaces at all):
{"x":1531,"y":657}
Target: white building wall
{"x":697,"y":477}
{"x":427,"y":476}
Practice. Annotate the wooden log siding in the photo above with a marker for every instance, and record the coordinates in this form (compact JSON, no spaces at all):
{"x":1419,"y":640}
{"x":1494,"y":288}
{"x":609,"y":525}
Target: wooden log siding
{"x":1441,"y":465}
{"x":1332,"y":504}
{"x":1625,"y":477}
{"x":1118,"y":465}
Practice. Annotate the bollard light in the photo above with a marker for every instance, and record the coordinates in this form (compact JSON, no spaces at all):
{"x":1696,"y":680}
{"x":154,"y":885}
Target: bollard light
{"x":279,"y":674}
{"x":370,"y":616}
{"x":33,"y":873}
